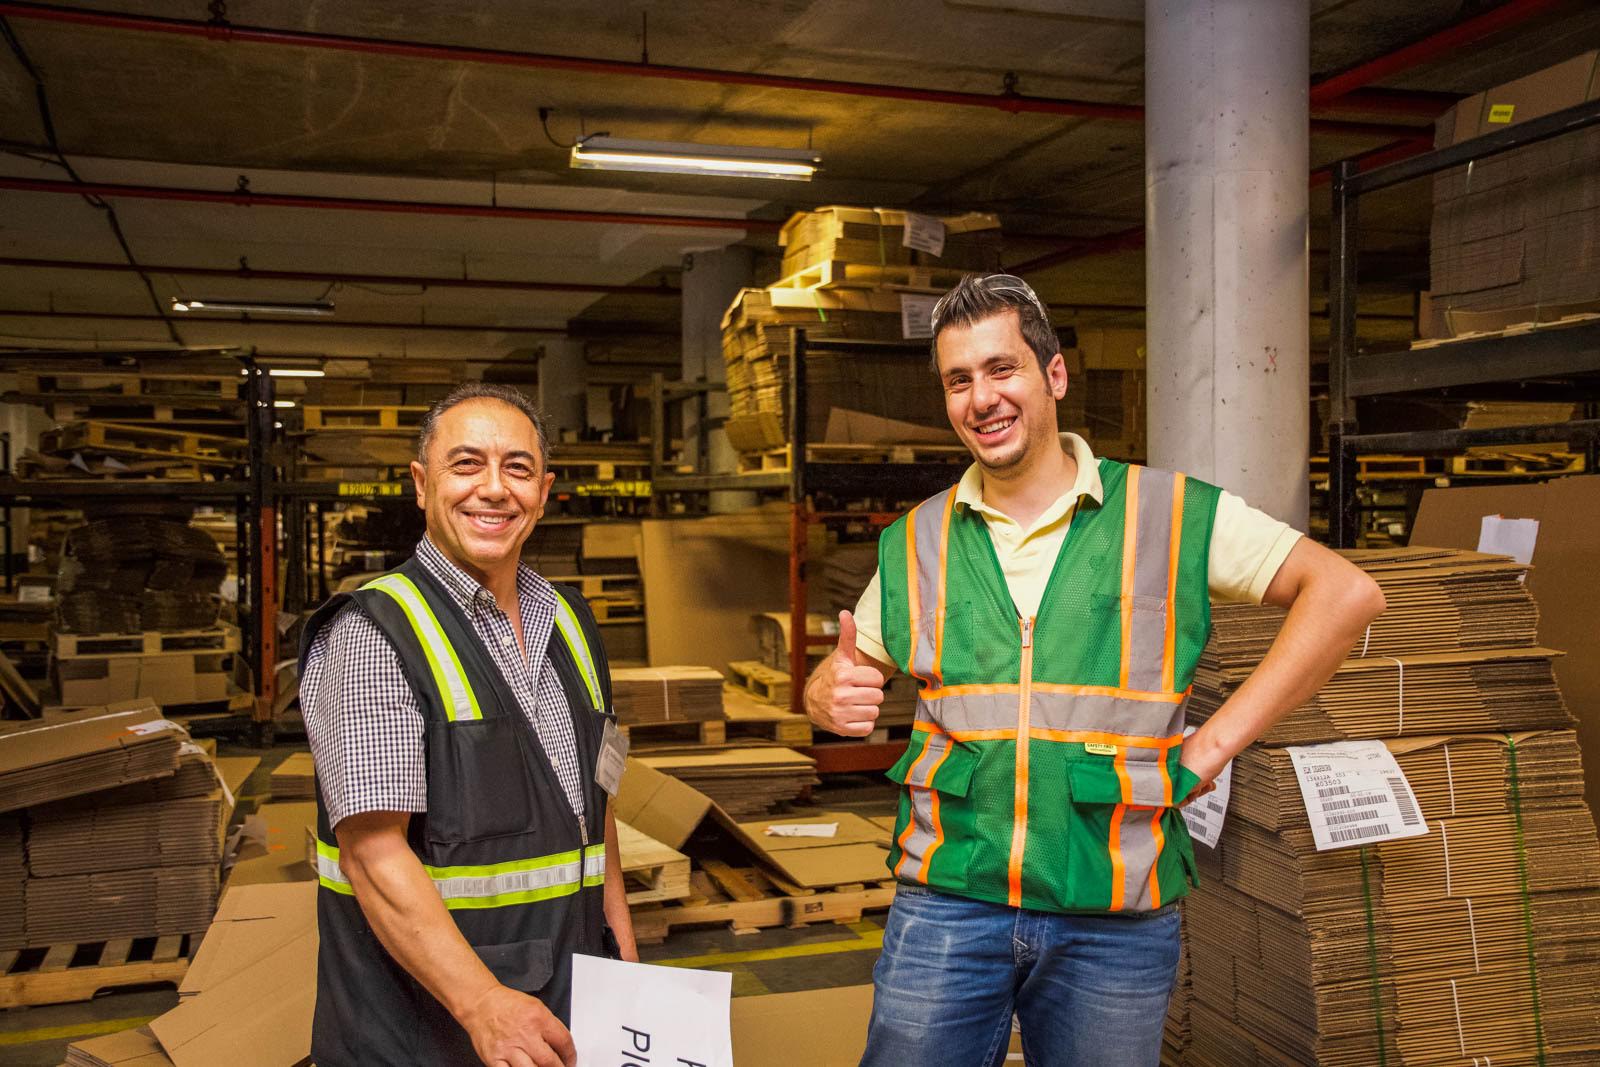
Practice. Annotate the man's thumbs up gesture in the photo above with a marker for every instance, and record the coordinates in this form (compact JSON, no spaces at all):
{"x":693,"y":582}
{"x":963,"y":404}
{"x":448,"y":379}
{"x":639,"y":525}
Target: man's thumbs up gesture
{"x":843,"y":693}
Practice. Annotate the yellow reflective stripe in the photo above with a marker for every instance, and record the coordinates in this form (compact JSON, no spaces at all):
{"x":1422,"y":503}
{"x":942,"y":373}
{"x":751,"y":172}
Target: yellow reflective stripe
{"x":492,"y":885}
{"x":578,"y":645}
{"x":448,"y":674}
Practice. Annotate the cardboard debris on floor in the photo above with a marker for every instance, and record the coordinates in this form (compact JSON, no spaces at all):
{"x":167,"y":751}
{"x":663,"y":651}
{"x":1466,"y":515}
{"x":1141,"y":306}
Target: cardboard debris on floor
{"x":666,"y":694}
{"x":1478,"y":941}
{"x":97,"y":748}
{"x":272,"y":847}
{"x":745,"y":779}
{"x":295,"y":779}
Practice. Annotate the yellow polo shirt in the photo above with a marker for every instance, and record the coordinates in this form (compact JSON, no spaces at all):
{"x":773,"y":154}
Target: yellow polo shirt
{"x":1247,"y":546}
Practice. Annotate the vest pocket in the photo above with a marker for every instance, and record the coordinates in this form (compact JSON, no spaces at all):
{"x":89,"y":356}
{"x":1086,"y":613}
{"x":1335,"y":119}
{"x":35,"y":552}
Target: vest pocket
{"x":521,"y":965}
{"x":941,"y":764}
{"x":480,"y":782}
{"x":1096,"y":781}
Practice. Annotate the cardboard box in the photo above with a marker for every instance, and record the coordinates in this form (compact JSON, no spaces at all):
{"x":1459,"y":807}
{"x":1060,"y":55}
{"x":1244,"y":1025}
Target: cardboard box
{"x":1544,"y":92}
{"x":100,"y":748}
{"x":830,"y":1025}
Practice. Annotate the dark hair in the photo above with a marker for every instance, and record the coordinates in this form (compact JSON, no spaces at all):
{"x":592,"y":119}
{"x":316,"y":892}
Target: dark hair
{"x":482,"y":391}
{"x":981,"y":296}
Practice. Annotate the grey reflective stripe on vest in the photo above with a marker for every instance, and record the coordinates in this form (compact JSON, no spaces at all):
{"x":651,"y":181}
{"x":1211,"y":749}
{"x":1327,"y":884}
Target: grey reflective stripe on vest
{"x":573,"y":637}
{"x":918,"y":838}
{"x":1151,"y":492}
{"x":494,"y":885}
{"x":448,"y":676}
{"x":1066,"y":712}
{"x":931,"y":538}
{"x":1141,"y":840}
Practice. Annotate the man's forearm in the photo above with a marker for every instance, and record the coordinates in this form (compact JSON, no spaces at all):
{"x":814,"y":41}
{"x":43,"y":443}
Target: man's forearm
{"x":409,"y":918}
{"x":1323,"y":624}
{"x":616,"y":894}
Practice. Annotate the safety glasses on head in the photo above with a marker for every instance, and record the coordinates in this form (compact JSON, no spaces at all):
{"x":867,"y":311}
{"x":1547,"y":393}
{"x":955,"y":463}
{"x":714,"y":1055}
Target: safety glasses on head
{"x":994,"y":283}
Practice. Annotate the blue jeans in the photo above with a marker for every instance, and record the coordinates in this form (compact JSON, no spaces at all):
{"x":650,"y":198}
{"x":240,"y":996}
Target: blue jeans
{"x":1089,"y":990}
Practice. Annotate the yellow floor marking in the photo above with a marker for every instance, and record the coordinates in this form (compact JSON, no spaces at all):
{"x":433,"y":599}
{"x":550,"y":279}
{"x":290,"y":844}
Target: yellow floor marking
{"x":56,"y":1033}
{"x":871,"y":939}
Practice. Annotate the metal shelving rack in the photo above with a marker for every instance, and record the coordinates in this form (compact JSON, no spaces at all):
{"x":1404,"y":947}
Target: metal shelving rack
{"x":1558,"y":364}
{"x":801,"y":484}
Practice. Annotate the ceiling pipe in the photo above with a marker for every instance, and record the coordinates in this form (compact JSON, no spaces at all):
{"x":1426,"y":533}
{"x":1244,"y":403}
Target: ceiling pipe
{"x":246,"y":198}
{"x":191,"y":319}
{"x":1506,"y":16}
{"x":255,"y":274}
{"x":229,"y":33}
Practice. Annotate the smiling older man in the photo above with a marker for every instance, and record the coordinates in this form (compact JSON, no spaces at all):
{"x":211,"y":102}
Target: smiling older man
{"x":459,"y":711}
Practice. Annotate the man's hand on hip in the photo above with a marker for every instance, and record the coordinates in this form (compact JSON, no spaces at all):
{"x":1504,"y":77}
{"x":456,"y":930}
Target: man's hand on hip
{"x":511,"y":1029}
{"x":845,"y":691}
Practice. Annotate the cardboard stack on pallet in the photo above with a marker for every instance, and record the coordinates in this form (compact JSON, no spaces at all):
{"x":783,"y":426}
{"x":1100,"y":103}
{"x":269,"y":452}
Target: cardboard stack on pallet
{"x":1516,"y":237}
{"x":118,"y":819}
{"x":1476,"y":937}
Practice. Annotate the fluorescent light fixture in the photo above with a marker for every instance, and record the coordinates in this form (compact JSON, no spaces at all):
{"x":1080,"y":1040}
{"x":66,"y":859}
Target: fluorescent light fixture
{"x":673,"y":157}
{"x":254,"y":307}
{"x":283,"y":403}
{"x":291,"y":372}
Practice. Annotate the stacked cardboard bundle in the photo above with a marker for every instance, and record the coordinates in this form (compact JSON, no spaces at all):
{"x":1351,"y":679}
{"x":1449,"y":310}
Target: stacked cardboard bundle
{"x":746,"y":780}
{"x":13,"y":875}
{"x":666,"y":694}
{"x":867,"y":238}
{"x":554,"y":548}
{"x":111,"y":850}
{"x":138,"y":573}
{"x":1514,"y":237}
{"x":1477,"y":941}
{"x":295,"y":778}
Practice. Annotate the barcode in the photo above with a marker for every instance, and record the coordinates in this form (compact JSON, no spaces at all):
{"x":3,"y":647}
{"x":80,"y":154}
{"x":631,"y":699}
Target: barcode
{"x":1332,"y":791}
{"x":1366,"y":815}
{"x":1318,"y":768}
{"x":1356,"y":833}
{"x":1338,"y":805}
{"x":1368,"y":801}
{"x":1402,"y":797}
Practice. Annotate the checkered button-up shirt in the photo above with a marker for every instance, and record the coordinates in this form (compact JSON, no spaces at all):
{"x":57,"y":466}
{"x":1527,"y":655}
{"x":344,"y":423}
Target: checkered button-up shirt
{"x":363,"y":720}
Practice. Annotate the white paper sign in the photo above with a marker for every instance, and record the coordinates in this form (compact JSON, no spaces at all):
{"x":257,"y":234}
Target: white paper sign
{"x":155,"y":726}
{"x":924,"y":233}
{"x":1509,"y":537}
{"x":637,"y":1015}
{"x":1205,"y":816}
{"x":33,"y":594}
{"x":803,"y":829}
{"x":916,"y":315}
{"x":1355,"y":794}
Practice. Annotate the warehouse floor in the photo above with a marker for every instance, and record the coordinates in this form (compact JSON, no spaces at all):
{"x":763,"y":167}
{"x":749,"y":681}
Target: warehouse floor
{"x":768,"y":961}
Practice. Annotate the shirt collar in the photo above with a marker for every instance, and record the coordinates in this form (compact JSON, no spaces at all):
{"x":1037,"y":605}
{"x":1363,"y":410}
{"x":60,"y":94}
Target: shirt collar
{"x":466,"y":590}
{"x":969,"y":491}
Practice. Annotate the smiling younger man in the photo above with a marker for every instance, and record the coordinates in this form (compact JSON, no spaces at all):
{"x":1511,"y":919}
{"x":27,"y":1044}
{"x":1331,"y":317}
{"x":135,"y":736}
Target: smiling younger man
{"x":459,"y":710}
{"x":1052,"y":607}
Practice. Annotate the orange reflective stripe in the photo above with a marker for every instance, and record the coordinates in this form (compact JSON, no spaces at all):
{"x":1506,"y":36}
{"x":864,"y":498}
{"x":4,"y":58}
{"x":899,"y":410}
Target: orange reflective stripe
{"x":913,"y":590}
{"x":1019,"y":824}
{"x":1168,"y":660}
{"x":1130,"y":552}
{"x":1039,"y":733}
{"x":1161,"y":843}
{"x":938,"y":827}
{"x":1118,"y":868}
{"x":938,"y":631}
{"x":911,"y":818}
{"x":1053,"y":687}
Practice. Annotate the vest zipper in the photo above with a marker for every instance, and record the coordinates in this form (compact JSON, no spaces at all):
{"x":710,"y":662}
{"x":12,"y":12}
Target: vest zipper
{"x":1019,"y":826}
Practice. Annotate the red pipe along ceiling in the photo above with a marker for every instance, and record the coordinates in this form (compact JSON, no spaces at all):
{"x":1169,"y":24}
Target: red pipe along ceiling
{"x":229,"y":33}
{"x":192,"y":319}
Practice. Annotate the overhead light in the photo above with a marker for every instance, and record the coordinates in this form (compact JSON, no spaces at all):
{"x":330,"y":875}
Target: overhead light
{"x":291,"y":372}
{"x":672,"y":157}
{"x":283,"y":403}
{"x":254,"y":307}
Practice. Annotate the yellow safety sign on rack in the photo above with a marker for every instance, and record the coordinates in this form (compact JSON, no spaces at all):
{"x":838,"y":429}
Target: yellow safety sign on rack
{"x":371,"y":488}
{"x":613,"y":488}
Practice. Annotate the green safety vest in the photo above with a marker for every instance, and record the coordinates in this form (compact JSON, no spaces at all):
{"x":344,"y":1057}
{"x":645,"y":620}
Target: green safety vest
{"x":1043,"y":764}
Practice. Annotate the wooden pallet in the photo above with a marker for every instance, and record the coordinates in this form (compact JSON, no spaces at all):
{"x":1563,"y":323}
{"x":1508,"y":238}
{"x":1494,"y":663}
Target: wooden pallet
{"x":840,"y":274}
{"x":135,"y":440}
{"x":363,"y":416}
{"x":595,"y":585}
{"x":147,"y":643}
{"x":1514,"y":462}
{"x":745,"y":900}
{"x":777,"y":459}
{"x":653,"y":872}
{"x":750,"y":717}
{"x":65,"y":973}
{"x":766,"y":683}
{"x":115,"y":407}
{"x":616,"y":608}
{"x":712,"y":732}
{"x":130,"y":383}
{"x":599,"y":470}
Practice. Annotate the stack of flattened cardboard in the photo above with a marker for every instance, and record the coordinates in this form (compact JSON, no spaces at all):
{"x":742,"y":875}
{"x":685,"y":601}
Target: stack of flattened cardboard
{"x":1476,"y":942}
{"x":666,"y":694}
{"x":115,"y":857}
{"x":95,"y":748}
{"x":875,"y":237}
{"x":138,"y":573}
{"x":746,"y":780}
{"x":295,"y":778}
{"x":13,"y":875}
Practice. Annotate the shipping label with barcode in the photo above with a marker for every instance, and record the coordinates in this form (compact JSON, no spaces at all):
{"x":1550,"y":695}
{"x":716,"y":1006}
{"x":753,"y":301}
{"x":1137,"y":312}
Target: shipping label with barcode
{"x":1355,"y":794}
{"x":1204,"y":816}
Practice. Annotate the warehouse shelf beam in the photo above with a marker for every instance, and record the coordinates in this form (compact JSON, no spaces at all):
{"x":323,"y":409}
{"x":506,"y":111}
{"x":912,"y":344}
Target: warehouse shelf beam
{"x":1548,"y":353}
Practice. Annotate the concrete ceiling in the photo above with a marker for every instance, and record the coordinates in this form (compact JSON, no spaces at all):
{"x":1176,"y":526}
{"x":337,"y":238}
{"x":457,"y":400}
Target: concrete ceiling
{"x":154,"y":109}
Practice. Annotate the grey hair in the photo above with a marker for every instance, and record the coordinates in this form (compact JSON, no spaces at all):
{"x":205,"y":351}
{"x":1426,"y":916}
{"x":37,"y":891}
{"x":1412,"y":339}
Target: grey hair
{"x":482,"y":391}
{"x":981,"y":296}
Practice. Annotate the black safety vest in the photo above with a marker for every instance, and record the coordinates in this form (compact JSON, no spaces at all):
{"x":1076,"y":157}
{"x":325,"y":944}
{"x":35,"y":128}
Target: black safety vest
{"x":523,"y":880}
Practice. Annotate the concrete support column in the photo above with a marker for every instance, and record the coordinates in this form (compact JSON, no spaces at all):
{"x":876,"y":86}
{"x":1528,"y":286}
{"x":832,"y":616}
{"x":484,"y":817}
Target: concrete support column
{"x":710,"y":281}
{"x":1226,"y":161}
{"x":563,"y":379}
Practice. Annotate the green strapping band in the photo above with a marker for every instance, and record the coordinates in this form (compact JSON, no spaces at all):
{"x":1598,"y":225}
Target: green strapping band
{"x":1527,"y":905}
{"x":1372,"y":959}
